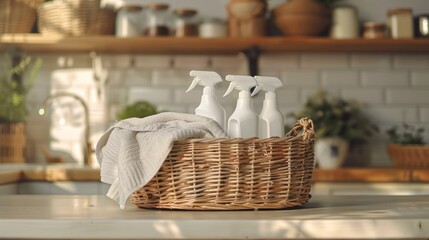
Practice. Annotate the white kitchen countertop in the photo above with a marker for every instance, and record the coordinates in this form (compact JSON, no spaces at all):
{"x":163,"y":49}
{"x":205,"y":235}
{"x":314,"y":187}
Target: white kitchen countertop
{"x":97,"y":217}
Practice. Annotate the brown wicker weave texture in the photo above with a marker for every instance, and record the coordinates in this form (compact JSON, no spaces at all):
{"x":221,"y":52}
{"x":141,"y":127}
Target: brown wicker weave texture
{"x":75,"y":18}
{"x":17,"y":16}
{"x":232,"y":174}
{"x":409,"y":156}
{"x":12,"y":143}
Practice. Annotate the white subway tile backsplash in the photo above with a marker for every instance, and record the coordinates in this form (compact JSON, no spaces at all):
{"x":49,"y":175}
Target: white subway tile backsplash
{"x":137,"y":77}
{"x":306,"y":93}
{"x":117,"y":95}
{"x":391,"y":96}
{"x":287,"y":97}
{"x":420,"y":78}
{"x":279,"y":61}
{"x":300,"y":78}
{"x":424,"y":114}
{"x":153,"y":61}
{"x":166,"y":78}
{"x":385,"y":78}
{"x":191,"y":62}
{"x":340,"y":78}
{"x":116,"y":61}
{"x":364,"y":95}
{"x":410,"y":61}
{"x":362,"y":60}
{"x":391,"y":114}
{"x":171,"y":108}
{"x":183,"y":97}
{"x":271,"y":73}
{"x":226,"y":61}
{"x":153,"y":95}
{"x":324,"y":60}
{"x":408,"y":96}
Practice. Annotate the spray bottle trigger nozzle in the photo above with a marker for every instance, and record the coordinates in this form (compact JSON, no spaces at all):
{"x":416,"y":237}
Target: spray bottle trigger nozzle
{"x":193,"y":84}
{"x":255,"y":90}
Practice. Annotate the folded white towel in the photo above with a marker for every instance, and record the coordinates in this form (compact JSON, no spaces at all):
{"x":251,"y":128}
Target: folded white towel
{"x":131,"y":152}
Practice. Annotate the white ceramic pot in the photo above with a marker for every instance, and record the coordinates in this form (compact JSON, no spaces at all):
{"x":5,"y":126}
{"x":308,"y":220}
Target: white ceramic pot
{"x":344,"y":23}
{"x":330,"y":153}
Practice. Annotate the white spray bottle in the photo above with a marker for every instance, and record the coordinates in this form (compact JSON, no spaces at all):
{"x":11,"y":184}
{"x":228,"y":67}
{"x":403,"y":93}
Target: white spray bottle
{"x":243,"y":122}
{"x":209,"y":106}
{"x":271,"y":121}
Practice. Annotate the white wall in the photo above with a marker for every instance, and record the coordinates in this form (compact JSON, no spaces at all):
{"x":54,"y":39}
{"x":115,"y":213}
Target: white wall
{"x":369,"y":10}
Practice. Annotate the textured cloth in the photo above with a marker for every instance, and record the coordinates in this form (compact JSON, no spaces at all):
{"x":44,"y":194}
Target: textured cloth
{"x":131,"y":152}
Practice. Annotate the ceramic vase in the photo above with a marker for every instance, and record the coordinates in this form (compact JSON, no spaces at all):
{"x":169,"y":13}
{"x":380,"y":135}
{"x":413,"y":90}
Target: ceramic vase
{"x":330,"y":153}
{"x":302,"y":18}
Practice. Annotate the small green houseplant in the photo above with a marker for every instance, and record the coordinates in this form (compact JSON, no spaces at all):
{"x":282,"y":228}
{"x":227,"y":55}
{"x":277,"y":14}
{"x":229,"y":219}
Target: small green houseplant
{"x":138,"y":109}
{"x":407,"y":148}
{"x":337,"y":122}
{"x":13,"y":104}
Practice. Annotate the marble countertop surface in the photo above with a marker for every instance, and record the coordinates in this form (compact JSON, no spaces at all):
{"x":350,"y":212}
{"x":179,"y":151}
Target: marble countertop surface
{"x":97,"y":217}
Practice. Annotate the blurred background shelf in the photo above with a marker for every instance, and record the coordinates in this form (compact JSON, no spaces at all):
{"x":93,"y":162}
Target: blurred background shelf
{"x":170,"y":45}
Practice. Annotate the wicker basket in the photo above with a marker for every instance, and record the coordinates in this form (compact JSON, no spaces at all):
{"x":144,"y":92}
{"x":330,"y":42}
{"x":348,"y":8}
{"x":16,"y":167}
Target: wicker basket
{"x":232,"y":174}
{"x":12,"y":143}
{"x":17,"y":16}
{"x":75,"y":18}
{"x":413,"y":156}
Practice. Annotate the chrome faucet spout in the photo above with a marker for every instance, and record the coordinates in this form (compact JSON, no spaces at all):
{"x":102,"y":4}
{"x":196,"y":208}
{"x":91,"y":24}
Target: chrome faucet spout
{"x":87,"y":150}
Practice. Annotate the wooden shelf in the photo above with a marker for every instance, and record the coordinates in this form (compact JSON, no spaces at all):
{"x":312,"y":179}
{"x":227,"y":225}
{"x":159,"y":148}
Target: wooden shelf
{"x":169,"y":45}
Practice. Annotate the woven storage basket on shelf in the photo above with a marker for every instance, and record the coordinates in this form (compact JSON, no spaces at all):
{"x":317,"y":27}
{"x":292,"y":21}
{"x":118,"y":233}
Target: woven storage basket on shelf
{"x":18,"y":16}
{"x":12,"y":143}
{"x":232,"y":174}
{"x":413,"y":156}
{"x":75,"y":18}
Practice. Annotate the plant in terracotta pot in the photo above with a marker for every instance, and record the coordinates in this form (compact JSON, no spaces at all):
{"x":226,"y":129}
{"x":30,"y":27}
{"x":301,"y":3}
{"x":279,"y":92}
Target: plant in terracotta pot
{"x":303,"y":17}
{"x":13,"y":105}
{"x":407,"y":148}
{"x":337,"y":122}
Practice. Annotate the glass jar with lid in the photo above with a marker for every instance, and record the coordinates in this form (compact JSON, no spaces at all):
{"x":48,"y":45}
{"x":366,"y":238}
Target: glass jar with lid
{"x":158,"y":18}
{"x":128,"y":21}
{"x":185,"y":23}
{"x":401,"y":23}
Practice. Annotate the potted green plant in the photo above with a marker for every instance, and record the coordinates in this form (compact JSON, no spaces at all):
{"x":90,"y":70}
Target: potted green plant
{"x":407,"y":148}
{"x":138,"y":109}
{"x":13,"y":105}
{"x":337,"y":122}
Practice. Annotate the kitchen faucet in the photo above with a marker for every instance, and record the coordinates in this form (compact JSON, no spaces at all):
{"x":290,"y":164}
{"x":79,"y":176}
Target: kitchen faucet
{"x":87,"y":151}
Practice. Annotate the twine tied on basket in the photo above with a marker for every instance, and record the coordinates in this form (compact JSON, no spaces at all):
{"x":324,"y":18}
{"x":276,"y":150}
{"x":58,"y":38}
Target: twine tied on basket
{"x":306,"y":126}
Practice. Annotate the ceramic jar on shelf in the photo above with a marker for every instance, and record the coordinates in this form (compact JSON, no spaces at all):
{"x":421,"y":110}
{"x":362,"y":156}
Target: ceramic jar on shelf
{"x":344,"y":23}
{"x":401,"y":23}
{"x":302,"y":17}
{"x":246,"y":18}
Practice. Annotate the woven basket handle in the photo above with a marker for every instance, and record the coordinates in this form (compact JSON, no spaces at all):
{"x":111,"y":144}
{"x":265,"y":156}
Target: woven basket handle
{"x":303,"y":127}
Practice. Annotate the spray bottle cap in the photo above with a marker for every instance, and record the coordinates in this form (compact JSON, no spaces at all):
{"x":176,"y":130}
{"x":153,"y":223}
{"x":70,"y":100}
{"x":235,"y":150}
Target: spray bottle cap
{"x":242,"y":83}
{"x":269,"y":84}
{"x":204,"y":78}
